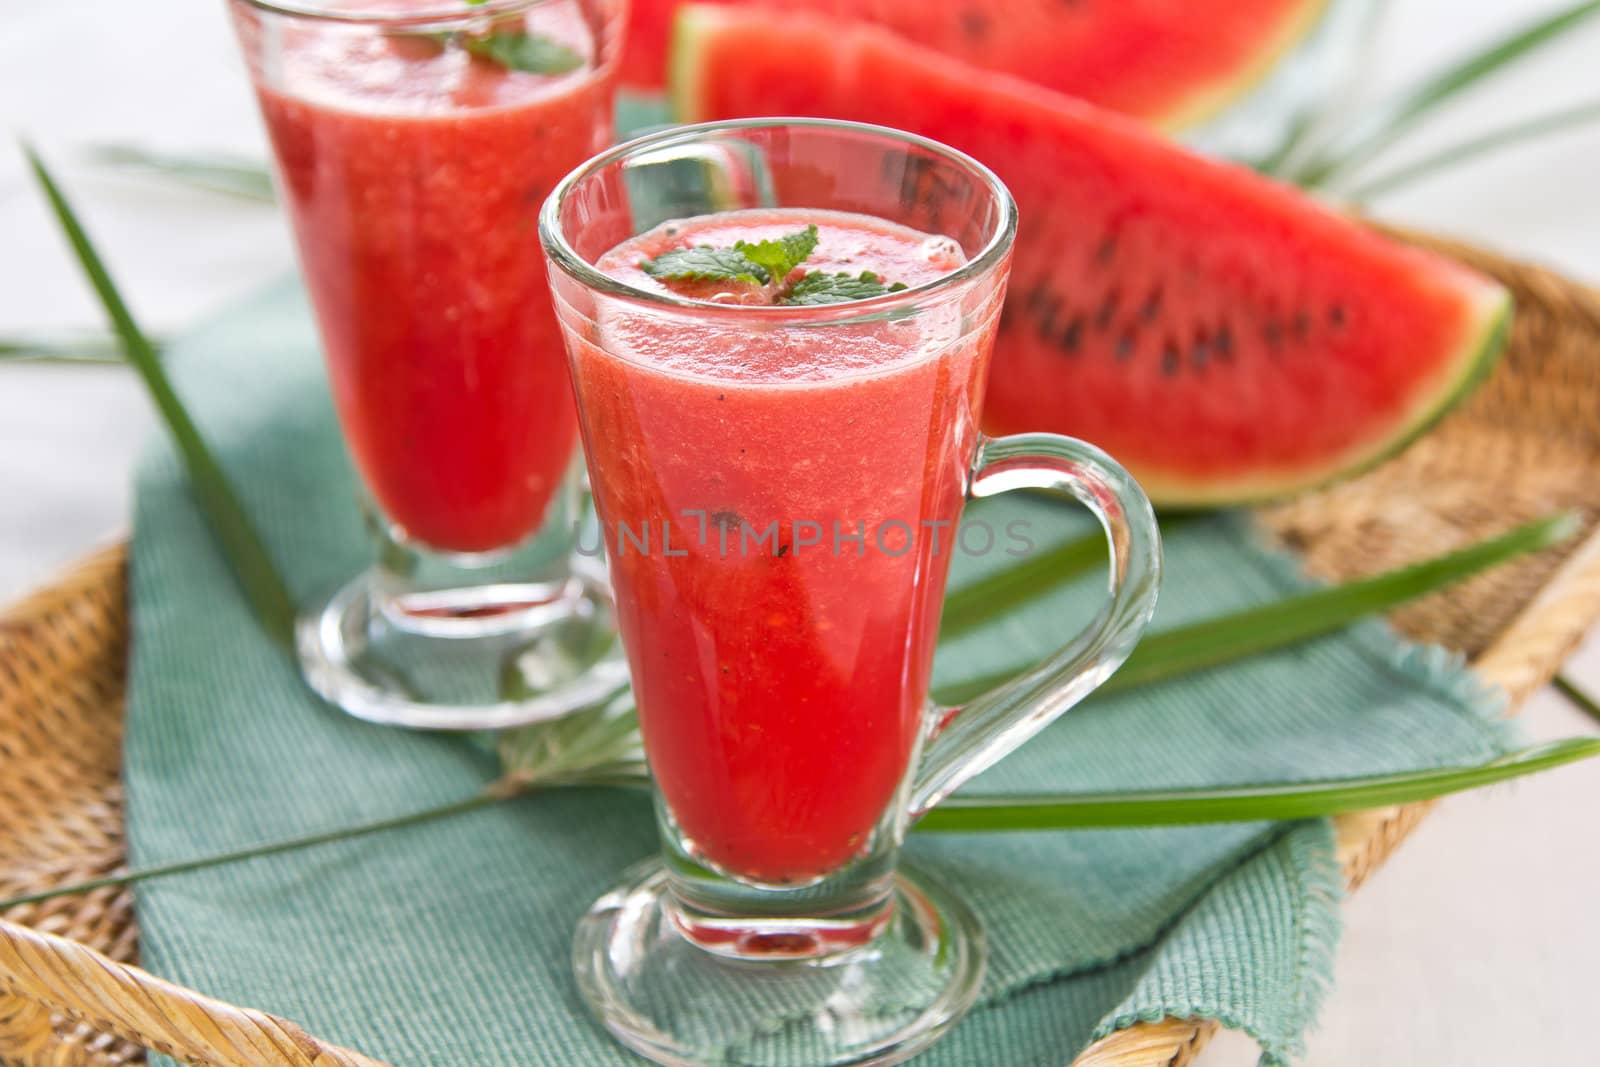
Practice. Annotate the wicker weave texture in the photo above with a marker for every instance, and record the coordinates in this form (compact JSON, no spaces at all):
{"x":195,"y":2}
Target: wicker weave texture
{"x":1526,"y":444}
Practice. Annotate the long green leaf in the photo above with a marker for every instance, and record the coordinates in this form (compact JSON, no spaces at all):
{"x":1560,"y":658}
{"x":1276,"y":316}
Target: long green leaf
{"x":1295,"y":138}
{"x":996,"y":594}
{"x":1473,"y":147}
{"x":79,"y":349}
{"x":1576,"y":696}
{"x":1301,"y":617}
{"x":1252,"y":803}
{"x":233,"y":176}
{"x":1388,"y":122}
{"x":989,"y":814}
{"x":490,"y":795}
{"x":248,"y":556}
{"x":993,"y":595}
{"x":1326,"y":113}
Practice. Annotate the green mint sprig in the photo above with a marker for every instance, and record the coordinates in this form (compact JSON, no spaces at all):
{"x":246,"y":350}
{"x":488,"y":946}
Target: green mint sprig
{"x":524,"y":51}
{"x":511,"y":47}
{"x":761,"y":263}
{"x":780,"y":257}
{"x":818,"y":288}
{"x":767,"y":263}
{"x":705,"y":264}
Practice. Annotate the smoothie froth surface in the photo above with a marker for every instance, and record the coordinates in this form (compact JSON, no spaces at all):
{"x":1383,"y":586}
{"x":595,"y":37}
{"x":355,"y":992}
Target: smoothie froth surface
{"x":846,"y":244}
{"x":410,"y":71}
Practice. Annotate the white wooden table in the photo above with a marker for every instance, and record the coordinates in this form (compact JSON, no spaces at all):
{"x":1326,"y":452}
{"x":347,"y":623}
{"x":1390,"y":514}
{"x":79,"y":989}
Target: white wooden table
{"x":1477,"y":945}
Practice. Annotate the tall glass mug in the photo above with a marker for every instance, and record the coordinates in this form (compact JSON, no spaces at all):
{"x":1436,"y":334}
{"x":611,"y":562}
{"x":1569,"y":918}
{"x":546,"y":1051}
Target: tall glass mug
{"x":415,"y":141}
{"x":779,"y":488}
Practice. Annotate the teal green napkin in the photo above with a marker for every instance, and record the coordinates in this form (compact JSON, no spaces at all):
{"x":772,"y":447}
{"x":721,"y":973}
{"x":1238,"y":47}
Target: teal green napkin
{"x":447,"y":943}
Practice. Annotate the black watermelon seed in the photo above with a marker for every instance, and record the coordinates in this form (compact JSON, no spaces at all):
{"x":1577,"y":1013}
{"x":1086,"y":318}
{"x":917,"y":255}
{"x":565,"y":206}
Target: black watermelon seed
{"x":1224,"y":343}
{"x":975,"y":24}
{"x":1107,"y":311}
{"x":1273,"y":332}
{"x":1047,"y":320}
{"x":1170,"y":361}
{"x":1106,"y":250}
{"x":1152,"y":306}
{"x":1072,"y":336}
{"x":1336,"y":315}
{"x":1124,"y":347}
{"x":1200,"y":355}
{"x":1037,"y":296}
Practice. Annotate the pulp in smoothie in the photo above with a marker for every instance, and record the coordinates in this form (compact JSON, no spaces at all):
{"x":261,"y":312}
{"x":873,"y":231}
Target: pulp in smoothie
{"x":781,"y":632}
{"x":413,"y":172}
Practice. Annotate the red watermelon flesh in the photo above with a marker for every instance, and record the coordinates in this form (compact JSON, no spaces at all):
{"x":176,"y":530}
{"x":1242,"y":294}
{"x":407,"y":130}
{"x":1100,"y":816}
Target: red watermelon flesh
{"x":1173,"y":63}
{"x":1224,"y":336}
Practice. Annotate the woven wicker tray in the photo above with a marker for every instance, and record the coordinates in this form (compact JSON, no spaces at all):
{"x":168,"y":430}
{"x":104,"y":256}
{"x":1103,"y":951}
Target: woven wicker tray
{"x":1526,"y":444}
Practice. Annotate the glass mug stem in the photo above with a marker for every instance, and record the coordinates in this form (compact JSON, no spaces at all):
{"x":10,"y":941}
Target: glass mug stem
{"x":966,"y":741}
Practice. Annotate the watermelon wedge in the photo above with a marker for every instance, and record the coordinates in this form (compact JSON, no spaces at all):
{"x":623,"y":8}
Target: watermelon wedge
{"x":1172,"y":63}
{"x":1224,"y":336}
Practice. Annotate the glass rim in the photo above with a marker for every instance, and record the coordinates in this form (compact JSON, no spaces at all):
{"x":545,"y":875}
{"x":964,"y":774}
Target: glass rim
{"x":575,"y":266}
{"x":439,"y":11}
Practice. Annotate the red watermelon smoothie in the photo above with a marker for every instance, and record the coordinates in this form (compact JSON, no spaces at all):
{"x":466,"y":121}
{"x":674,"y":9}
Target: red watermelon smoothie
{"x":415,"y":141}
{"x":780,"y":441}
{"x":798,"y":490}
{"x":413,"y":165}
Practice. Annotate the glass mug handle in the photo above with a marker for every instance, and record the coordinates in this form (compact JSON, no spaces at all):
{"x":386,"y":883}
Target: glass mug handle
{"x":973,"y":737}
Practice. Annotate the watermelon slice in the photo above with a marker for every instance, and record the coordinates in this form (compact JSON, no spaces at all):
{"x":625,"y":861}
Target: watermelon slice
{"x":1172,"y":63}
{"x":1224,"y":336}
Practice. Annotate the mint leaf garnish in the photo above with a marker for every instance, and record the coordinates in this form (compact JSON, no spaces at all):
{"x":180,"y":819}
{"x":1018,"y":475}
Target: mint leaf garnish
{"x":705,"y":264}
{"x":521,"y":50}
{"x":768,"y":263}
{"x":760,"y":262}
{"x":780,"y":257}
{"x":818,"y":288}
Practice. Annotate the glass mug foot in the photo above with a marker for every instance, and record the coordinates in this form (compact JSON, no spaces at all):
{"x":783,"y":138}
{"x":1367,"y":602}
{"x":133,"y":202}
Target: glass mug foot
{"x":484,"y":657}
{"x":765,"y":997}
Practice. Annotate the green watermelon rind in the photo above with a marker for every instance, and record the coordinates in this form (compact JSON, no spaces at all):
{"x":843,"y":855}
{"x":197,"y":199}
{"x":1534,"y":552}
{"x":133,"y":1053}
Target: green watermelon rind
{"x":1477,"y":359}
{"x":683,"y":65}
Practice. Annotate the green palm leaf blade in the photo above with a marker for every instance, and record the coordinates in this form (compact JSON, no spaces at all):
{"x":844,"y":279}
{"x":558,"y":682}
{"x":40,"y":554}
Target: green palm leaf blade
{"x":231,"y":175}
{"x":240,"y":542}
{"x":69,"y":348}
{"x":967,"y":813}
{"x":992,"y":596}
{"x":1577,"y":697}
{"x":1245,"y":803}
{"x":1214,"y":642}
{"x":1387,"y":122}
{"x":1475,"y":147}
